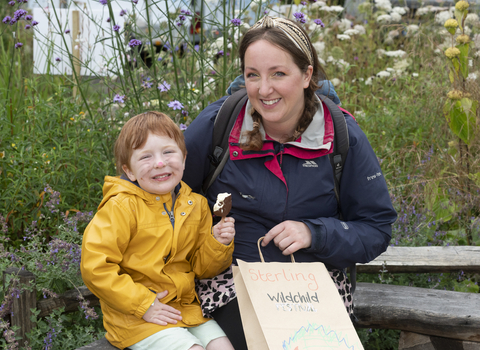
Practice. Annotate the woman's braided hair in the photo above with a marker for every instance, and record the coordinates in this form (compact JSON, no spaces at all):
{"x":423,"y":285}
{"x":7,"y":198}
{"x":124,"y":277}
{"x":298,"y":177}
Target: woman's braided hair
{"x":278,"y":37}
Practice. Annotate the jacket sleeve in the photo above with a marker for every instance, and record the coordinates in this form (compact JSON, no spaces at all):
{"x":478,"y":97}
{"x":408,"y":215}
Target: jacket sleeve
{"x":365,"y":231}
{"x":211,"y":257}
{"x":198,"y":138}
{"x":104,"y":243}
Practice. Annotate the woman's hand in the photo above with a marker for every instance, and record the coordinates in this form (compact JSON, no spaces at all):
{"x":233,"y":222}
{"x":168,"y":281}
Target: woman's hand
{"x":289,"y":236}
{"x":160,"y":313}
{"x":224,"y":231}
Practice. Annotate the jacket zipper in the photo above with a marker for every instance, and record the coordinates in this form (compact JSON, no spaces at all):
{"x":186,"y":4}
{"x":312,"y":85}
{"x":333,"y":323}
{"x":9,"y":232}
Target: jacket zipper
{"x":281,"y":154}
{"x":282,"y":149}
{"x":171,"y":216}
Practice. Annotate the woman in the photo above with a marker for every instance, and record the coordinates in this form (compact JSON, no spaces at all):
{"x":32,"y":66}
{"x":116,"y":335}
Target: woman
{"x":279,"y":172}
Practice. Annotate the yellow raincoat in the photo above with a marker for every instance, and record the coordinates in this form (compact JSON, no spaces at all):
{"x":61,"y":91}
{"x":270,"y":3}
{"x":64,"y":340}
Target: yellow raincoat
{"x":131,"y":251}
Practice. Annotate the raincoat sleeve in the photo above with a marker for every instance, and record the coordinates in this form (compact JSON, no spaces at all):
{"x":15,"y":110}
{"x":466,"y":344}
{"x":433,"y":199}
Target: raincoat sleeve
{"x":104,"y":242}
{"x":211,"y":257}
{"x":368,"y":214}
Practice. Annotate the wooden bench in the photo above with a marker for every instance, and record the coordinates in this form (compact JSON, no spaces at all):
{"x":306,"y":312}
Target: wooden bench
{"x":427,"y":318}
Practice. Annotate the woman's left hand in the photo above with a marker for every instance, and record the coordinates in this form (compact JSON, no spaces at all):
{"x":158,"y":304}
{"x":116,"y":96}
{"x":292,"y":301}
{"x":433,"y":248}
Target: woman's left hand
{"x":289,"y":236}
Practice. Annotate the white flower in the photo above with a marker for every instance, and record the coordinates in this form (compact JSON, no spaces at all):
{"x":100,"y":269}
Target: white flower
{"x":400,"y":10}
{"x":383,"y":74}
{"x":322,"y":62}
{"x":402,"y":65}
{"x":396,"y":17}
{"x":380,"y":52}
{"x":470,"y":63}
{"x":442,"y":17}
{"x":317,"y":4}
{"x":476,"y":40}
{"x":412,"y":28}
{"x":343,"y":37}
{"x":390,"y":69}
{"x":384,"y":19}
{"x":477,"y":54}
{"x":319,"y":46}
{"x":360,"y":29}
{"x":385,"y":5}
{"x":351,"y":32}
{"x":336,"y":82}
{"x":344,"y":24}
{"x":415,"y":75}
{"x":397,"y":53}
{"x":332,"y":8}
{"x":369,"y":81}
{"x":126,"y":114}
{"x":472,"y":76}
{"x":254,"y":6}
{"x":437,"y":51}
{"x":330,"y":59}
{"x":359,"y":114}
{"x":422,"y":11}
{"x":472,"y":19}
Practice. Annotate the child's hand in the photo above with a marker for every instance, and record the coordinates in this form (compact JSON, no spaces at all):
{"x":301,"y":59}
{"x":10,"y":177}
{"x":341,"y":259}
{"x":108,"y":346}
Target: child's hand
{"x":224,"y":231}
{"x":160,"y":313}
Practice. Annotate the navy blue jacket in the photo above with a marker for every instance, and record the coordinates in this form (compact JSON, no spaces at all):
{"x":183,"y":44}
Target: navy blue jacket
{"x":288,"y":182}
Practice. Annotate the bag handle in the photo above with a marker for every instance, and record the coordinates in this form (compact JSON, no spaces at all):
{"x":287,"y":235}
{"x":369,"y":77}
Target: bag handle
{"x":260,"y":251}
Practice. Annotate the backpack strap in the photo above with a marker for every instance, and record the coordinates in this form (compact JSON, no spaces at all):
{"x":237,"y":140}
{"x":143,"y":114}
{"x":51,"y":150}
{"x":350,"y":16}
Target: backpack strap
{"x":224,"y":121}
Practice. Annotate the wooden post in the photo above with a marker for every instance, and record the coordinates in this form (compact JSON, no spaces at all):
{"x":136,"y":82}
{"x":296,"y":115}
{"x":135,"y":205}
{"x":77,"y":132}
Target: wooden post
{"x":75,"y":49}
{"x":21,"y":306}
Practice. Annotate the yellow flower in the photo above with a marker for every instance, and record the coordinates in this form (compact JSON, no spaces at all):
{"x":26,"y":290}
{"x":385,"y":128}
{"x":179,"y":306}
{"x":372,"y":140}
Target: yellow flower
{"x":81,"y":113}
{"x":13,"y":145}
{"x":457,"y":94}
{"x":2,"y":154}
{"x":72,"y":119}
{"x":88,"y":130}
{"x":451,"y":23}
{"x":461,"y":5}
{"x":54,"y":148}
{"x":452,"y":52}
{"x":463,"y":39}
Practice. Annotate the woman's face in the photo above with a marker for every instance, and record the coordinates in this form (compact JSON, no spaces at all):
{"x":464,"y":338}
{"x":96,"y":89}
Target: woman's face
{"x":275,"y":85}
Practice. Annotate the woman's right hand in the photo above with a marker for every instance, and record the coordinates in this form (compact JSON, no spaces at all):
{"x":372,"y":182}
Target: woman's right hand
{"x":160,"y":313}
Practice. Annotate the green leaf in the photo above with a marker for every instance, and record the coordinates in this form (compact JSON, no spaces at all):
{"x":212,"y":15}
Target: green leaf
{"x":459,"y":17}
{"x":451,"y":76}
{"x":463,"y":59}
{"x":462,"y":122}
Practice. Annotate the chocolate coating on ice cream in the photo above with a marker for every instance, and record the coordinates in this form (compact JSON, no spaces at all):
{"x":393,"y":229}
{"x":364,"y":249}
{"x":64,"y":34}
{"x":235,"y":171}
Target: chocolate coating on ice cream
{"x":223,"y":205}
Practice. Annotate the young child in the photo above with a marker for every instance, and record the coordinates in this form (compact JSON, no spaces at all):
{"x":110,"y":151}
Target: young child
{"x":151,"y":237}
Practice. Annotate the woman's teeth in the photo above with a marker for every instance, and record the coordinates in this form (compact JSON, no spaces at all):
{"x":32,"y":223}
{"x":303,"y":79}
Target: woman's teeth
{"x":270,"y":102}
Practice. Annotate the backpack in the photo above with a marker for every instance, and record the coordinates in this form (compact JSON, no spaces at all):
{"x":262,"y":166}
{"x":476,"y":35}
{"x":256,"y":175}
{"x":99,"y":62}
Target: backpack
{"x":223,"y":125}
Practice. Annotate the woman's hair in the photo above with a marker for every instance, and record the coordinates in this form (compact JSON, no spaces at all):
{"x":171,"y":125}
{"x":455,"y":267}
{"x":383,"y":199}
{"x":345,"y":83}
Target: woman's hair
{"x":135,"y":132}
{"x":279,"y":38}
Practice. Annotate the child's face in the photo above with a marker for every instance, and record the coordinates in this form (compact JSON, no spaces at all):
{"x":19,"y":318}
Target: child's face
{"x":157,"y":166}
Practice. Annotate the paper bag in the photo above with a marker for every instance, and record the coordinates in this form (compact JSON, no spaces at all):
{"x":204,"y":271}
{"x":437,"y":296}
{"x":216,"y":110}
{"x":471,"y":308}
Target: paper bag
{"x":293,"y":306}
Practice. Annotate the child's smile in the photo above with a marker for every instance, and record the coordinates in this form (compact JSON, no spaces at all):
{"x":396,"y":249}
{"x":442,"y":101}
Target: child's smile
{"x":157,"y":166}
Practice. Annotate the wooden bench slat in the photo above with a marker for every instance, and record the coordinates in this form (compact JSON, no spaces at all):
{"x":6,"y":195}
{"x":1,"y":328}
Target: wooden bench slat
{"x":426,"y":259}
{"x":440,"y":313}
{"x":101,"y":344}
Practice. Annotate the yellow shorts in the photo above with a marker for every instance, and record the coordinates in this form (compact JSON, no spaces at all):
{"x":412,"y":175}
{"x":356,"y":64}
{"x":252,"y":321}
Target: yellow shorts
{"x":179,"y":338}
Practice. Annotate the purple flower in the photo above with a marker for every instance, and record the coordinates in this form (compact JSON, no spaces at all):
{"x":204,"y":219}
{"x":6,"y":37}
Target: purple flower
{"x":28,"y":17}
{"x":58,"y":59}
{"x":179,"y":24}
{"x":220,"y":53}
{"x":134,"y":42}
{"x":119,"y":98}
{"x":19,"y":14}
{"x":67,"y":31}
{"x":18,"y":45}
{"x":13,"y":21}
{"x":186,"y":12}
{"x":300,"y":17}
{"x":34,"y":23}
{"x":103,"y":2}
{"x":303,"y":3}
{"x":116,"y":27}
{"x":183,"y":127}
{"x":319,"y":22}
{"x":12,"y":3}
{"x":182,"y":17}
{"x":185,"y":113}
{"x":164,"y":87}
{"x":123,"y":13}
{"x":236,"y":21}
{"x":7,"y":19}
{"x":108,"y":20}
{"x":135,"y":1}
{"x":28,"y":26}
{"x":175,"y":105}
{"x":147,"y":85}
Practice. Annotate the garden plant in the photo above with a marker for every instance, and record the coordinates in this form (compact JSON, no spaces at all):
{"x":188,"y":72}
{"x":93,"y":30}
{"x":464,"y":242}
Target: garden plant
{"x":410,"y":77}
